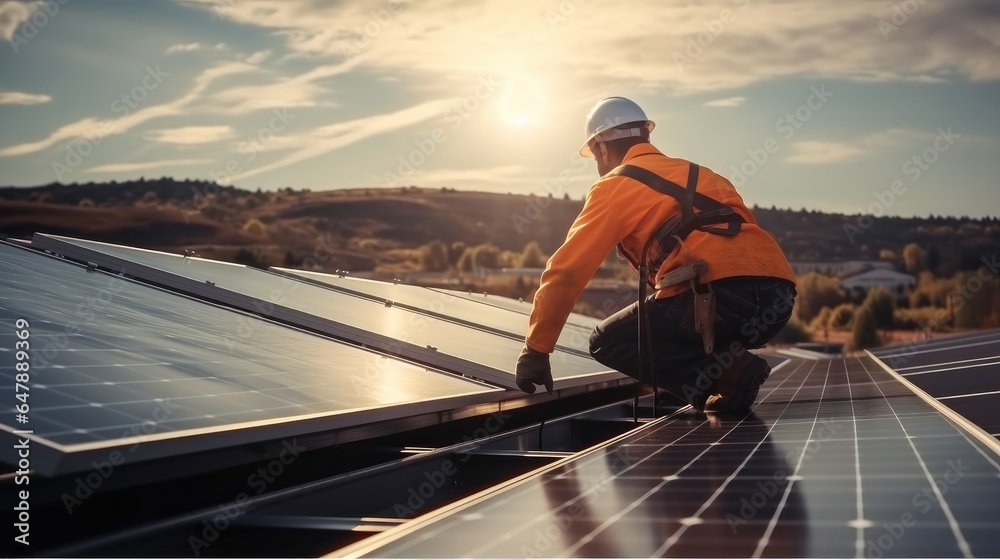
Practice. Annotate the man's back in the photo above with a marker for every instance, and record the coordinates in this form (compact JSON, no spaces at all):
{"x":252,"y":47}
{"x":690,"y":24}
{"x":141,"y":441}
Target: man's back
{"x":751,"y":253}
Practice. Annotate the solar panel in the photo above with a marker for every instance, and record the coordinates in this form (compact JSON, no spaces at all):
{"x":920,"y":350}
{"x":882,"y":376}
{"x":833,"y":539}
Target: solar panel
{"x":518,"y":306}
{"x":962,"y":372}
{"x":426,"y":339}
{"x":838,"y":459}
{"x":448,"y":305}
{"x":115,"y":363}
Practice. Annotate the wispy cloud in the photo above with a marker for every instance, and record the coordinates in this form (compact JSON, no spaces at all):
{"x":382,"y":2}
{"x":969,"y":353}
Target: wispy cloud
{"x":819,"y":152}
{"x":816,"y":152}
{"x":191,"y":134}
{"x":13,"y":14}
{"x":301,"y":90}
{"x":956,"y":38}
{"x":183,"y":47}
{"x":21,"y":98}
{"x":94,"y":126}
{"x":146,"y":165}
{"x":258,"y":57}
{"x":727,"y":102}
{"x":337,"y":135}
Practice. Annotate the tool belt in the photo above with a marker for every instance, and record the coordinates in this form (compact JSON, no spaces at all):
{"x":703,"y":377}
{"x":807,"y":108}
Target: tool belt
{"x":711,"y":217}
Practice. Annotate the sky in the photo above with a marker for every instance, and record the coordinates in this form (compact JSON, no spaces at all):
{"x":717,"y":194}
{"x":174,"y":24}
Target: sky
{"x":853,"y":106}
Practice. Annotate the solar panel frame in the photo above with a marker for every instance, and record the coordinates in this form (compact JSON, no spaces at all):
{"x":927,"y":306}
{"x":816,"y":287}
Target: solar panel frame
{"x":51,"y":458}
{"x":74,"y":248}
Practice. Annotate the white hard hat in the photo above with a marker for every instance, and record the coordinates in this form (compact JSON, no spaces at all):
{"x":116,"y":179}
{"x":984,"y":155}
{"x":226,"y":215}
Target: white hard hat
{"x":612,"y":112}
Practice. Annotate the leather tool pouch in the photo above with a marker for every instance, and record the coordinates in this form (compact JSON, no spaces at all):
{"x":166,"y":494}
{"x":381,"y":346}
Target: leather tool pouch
{"x":704,"y":316}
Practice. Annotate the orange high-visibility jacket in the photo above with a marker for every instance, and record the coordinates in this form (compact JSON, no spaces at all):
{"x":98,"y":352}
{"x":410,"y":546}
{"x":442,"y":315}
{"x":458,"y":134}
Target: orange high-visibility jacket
{"x":620,"y":209}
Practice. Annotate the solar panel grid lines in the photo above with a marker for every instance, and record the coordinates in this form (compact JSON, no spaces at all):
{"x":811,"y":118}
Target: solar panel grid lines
{"x":968,"y":427}
{"x":858,"y":481}
{"x":669,"y":543}
{"x":961,"y":371}
{"x":765,"y":539}
{"x":959,"y":537}
{"x":144,"y":357}
{"x":513,"y":495}
{"x":414,"y":336}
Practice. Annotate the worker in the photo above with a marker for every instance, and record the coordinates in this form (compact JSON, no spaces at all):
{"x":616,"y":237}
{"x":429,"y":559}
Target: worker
{"x":745,"y":272}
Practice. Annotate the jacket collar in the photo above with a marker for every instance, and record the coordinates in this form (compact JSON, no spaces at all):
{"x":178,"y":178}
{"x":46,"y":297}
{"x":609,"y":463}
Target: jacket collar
{"x":643,"y":149}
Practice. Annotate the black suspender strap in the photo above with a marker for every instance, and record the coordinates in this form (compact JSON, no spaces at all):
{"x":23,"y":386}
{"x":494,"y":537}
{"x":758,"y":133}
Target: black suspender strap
{"x":714,"y":217}
{"x":687,"y":205}
{"x":713,"y":212}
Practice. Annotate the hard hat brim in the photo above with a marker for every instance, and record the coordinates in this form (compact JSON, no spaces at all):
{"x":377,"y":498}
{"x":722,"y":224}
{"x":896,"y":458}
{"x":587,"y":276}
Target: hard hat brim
{"x":586,"y":152}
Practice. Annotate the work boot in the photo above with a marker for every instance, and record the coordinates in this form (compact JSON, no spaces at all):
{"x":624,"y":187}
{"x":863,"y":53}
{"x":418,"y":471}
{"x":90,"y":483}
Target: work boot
{"x":737,"y":387}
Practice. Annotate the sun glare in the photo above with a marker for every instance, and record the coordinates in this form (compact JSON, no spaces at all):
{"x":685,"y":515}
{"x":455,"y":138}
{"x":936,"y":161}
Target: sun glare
{"x":522,"y":103}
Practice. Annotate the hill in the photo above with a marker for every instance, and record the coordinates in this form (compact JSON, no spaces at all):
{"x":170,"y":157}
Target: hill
{"x":363,"y":229}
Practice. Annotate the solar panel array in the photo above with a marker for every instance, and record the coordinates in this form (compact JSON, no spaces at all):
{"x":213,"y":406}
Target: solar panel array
{"x":115,"y":362}
{"x":838,"y":459}
{"x":434,"y":340}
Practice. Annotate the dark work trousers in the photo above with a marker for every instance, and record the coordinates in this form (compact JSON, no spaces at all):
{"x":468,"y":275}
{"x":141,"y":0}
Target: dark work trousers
{"x":749,"y":312}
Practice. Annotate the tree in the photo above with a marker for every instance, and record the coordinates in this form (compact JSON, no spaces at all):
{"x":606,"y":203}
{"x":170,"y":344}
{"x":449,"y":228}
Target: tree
{"x":975,"y":303}
{"x":481,"y":256}
{"x":487,"y":255}
{"x":882,"y":305}
{"x":455,"y":252}
{"x":816,"y":291}
{"x":822,"y":320}
{"x":842,"y":316}
{"x":532,"y":256}
{"x":434,"y":256}
{"x":466,"y":262}
{"x":914,"y":258}
{"x":865,"y":332}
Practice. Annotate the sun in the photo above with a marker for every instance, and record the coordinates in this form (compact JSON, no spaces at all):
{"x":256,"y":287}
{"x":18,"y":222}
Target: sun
{"x":522,"y":102}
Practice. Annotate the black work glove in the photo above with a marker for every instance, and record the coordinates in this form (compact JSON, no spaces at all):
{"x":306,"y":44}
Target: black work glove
{"x":533,"y":369}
